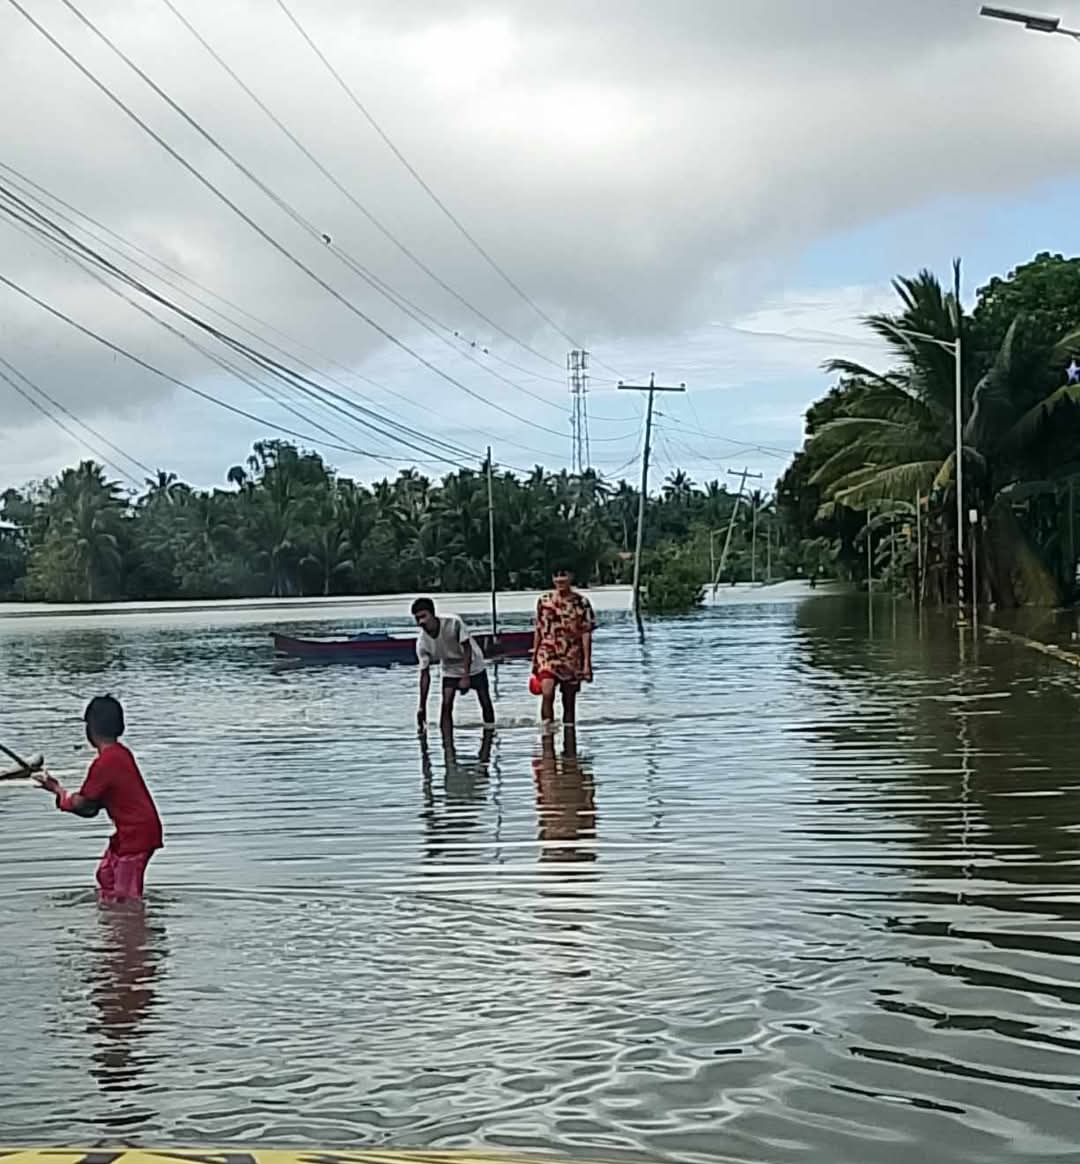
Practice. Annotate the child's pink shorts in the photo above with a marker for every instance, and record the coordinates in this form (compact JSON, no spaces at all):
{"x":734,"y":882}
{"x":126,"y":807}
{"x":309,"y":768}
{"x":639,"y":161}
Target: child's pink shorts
{"x":121,"y":878}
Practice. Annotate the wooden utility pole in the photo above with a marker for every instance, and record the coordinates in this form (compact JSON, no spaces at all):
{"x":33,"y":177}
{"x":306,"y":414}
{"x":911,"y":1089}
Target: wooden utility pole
{"x":652,"y":388}
{"x":753,"y":544}
{"x":491,"y":545}
{"x":742,"y":475}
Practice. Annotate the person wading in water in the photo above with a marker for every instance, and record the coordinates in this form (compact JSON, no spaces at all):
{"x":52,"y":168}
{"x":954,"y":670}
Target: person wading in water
{"x":446,"y":640}
{"x":562,"y":647}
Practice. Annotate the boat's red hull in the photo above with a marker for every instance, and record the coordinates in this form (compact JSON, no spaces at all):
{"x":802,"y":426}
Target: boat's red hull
{"x":377,"y":652}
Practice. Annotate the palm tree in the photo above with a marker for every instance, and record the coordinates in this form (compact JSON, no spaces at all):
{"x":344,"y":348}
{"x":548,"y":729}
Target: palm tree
{"x":329,"y":551}
{"x":895,"y":438}
{"x":163,"y":485}
{"x":94,"y":545}
{"x":678,"y":488}
{"x":622,"y":506}
{"x":291,"y":525}
{"x":84,"y":516}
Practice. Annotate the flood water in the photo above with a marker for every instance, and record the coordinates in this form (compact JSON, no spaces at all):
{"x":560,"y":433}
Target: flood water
{"x":801,"y":890}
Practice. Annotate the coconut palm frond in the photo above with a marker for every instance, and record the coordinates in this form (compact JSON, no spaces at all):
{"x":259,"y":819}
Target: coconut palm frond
{"x":1022,"y":490}
{"x":896,"y":482}
{"x":878,"y":445}
{"x":1028,"y":427}
{"x":1066,"y":347}
{"x":846,"y":429}
{"x":860,"y":372}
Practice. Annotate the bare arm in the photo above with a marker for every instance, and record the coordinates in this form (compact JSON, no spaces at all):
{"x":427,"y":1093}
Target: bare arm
{"x":536,"y":636}
{"x":79,"y":805}
{"x":73,"y":802}
{"x":425,"y":687}
{"x":586,"y":638}
{"x":466,"y":654}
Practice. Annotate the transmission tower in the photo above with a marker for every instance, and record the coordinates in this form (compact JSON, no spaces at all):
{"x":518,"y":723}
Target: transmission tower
{"x":577,"y":364}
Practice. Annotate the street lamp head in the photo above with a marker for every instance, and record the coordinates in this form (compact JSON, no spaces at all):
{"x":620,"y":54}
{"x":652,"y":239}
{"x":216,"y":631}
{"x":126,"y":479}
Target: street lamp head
{"x":1027,"y":19}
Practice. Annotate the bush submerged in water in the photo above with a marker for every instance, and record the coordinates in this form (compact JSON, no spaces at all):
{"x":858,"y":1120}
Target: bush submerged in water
{"x":672,"y":585}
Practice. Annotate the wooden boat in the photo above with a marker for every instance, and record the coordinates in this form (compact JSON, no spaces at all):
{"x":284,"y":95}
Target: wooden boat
{"x":382,"y":649}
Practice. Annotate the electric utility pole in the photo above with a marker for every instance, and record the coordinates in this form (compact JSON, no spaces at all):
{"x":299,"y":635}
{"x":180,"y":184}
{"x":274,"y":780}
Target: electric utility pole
{"x":743,"y":475}
{"x":491,"y":545}
{"x":652,"y":388}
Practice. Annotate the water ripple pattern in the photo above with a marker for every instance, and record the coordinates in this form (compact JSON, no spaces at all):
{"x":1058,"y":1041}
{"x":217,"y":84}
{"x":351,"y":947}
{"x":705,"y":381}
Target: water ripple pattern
{"x":803,"y":888}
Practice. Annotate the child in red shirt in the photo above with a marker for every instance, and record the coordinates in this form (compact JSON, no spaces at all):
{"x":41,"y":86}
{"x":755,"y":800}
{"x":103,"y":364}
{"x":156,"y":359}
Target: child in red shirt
{"x":115,"y":784}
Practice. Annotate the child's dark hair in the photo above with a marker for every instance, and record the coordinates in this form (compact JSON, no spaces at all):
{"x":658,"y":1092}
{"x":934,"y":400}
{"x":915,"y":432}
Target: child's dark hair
{"x":104,"y":718}
{"x":423,"y":604}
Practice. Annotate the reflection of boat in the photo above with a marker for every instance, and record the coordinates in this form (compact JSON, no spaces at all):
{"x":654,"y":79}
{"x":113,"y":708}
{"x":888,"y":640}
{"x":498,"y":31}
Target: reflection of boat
{"x":333,"y":1154}
{"x":382,"y":649}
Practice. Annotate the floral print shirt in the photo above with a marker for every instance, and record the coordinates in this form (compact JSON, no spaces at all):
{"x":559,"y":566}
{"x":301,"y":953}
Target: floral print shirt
{"x":561,"y":626}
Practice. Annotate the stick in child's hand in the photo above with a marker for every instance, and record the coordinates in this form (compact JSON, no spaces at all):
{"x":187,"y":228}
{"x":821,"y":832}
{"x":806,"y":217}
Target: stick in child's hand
{"x":26,"y":768}
{"x":16,"y":757}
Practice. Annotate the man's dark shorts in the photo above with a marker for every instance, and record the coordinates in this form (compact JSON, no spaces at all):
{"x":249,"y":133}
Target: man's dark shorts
{"x":477,"y":683}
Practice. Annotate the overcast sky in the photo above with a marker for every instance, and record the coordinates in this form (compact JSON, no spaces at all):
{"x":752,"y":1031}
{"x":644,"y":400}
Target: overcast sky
{"x":708,"y":189}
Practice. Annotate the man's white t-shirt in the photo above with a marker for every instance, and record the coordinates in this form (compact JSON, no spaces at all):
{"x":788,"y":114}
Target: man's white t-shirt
{"x":448,"y":648}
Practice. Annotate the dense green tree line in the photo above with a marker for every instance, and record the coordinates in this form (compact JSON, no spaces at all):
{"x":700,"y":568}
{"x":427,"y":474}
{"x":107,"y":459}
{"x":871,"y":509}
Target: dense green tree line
{"x":287,"y":524}
{"x":875,"y":484}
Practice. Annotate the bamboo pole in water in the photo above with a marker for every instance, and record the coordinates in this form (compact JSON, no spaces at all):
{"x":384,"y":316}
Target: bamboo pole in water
{"x":491,"y":547}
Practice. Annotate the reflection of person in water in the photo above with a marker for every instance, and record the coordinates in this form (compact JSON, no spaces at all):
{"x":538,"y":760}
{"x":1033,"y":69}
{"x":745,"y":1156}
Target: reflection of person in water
{"x":465,"y":786}
{"x":565,"y":801}
{"x":122,"y":991}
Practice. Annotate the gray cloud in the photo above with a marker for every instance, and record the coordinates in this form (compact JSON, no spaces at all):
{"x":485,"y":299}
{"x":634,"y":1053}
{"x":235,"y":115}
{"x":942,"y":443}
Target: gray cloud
{"x":639,"y":167}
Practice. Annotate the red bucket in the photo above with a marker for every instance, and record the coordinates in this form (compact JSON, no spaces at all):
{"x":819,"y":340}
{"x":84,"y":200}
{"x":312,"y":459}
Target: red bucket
{"x":535,"y":687}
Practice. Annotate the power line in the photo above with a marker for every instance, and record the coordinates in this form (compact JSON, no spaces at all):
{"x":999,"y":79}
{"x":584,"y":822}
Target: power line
{"x":61,"y":425}
{"x":506,"y":362}
{"x":622,"y":468}
{"x":697,"y":456}
{"x":672,"y":459}
{"x":766,"y":450}
{"x":66,"y":249}
{"x":265,"y":235}
{"x":338,"y":185}
{"x":326,"y":397}
{"x":292,"y":379}
{"x":180,"y":275}
{"x":462,"y":229}
{"x":401,"y":302}
{"x":58,"y":314}
{"x":368,"y":418}
{"x":71,"y":415}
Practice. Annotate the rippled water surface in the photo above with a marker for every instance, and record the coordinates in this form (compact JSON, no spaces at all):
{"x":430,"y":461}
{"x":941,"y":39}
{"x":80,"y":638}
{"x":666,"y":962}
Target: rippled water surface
{"x":802,"y":889}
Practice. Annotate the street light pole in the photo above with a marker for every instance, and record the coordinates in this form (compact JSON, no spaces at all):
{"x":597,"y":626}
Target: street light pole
{"x":1033,"y":23}
{"x":958,"y":354}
